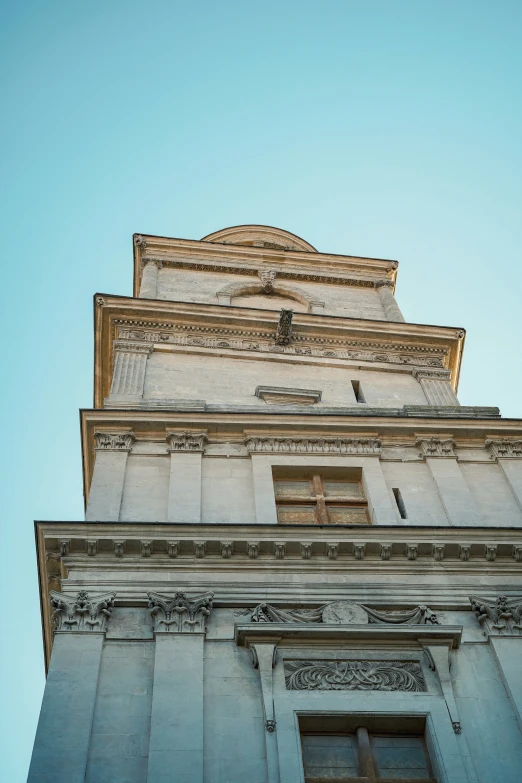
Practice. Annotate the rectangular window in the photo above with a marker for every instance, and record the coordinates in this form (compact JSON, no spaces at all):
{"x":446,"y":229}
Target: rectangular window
{"x":400,"y":503}
{"x":357,"y":390}
{"x":320,"y":497}
{"x":361,"y":756}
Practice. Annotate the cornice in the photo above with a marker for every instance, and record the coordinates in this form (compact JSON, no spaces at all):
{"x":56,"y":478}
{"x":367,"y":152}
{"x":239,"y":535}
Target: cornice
{"x":171,"y":250}
{"x":215,"y":329}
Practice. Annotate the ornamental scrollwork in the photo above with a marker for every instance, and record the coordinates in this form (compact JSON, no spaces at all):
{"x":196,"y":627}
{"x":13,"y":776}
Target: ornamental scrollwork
{"x":343,"y":612}
{"x":81,"y":613}
{"x":502,"y":616}
{"x":354,"y":676}
{"x":180,"y":613}
{"x":314,"y":445}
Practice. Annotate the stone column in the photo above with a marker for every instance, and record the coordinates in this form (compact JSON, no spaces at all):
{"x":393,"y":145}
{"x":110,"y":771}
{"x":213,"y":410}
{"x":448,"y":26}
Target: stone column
{"x":390,"y":306}
{"x":130,"y":360}
{"x":454,"y":492}
{"x":112,"y":449}
{"x":176,"y":727}
{"x":436,"y":386}
{"x":186,"y":452}
{"x":508,"y":454}
{"x":149,"y":278}
{"x":64,"y":728}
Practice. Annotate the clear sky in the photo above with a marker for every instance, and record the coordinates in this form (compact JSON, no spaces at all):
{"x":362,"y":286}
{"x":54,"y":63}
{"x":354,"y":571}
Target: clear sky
{"x":386,"y":128}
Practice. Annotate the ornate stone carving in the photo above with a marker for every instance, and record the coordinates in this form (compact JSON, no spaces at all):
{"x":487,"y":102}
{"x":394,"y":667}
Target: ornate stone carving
{"x":354,"y":676}
{"x":386,"y":551}
{"x":332,"y":550}
{"x":284,"y":327}
{"x":279,"y":549}
{"x":92,"y":546}
{"x":359,"y":550}
{"x":200,"y":548}
{"x":421,"y":373}
{"x":65,"y":546}
{"x":146,"y":548}
{"x":253,"y":549}
{"x":313,"y":445}
{"x":438,"y":552}
{"x":504,"y":448}
{"x":517,"y":553}
{"x":181,"y":613}
{"x":343,"y":613}
{"x":173,"y":548}
{"x":81,"y":613}
{"x":436,"y":447}
{"x":100,"y":301}
{"x":306,"y":550}
{"x":119,"y":548}
{"x":464,"y":552}
{"x":226,"y":549}
{"x":114,"y":441}
{"x":412,"y":551}
{"x":490,"y":552}
{"x":502,"y":616}
{"x":139,"y":241}
{"x":267,"y":277}
{"x":186,"y":441}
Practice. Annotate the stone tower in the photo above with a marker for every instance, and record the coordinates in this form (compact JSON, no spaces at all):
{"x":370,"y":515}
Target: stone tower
{"x":301,"y":558}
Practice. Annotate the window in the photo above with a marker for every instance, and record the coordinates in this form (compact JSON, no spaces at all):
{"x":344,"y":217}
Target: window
{"x":320,"y":497}
{"x":359,"y":396}
{"x":400,"y":503}
{"x":363,"y":757}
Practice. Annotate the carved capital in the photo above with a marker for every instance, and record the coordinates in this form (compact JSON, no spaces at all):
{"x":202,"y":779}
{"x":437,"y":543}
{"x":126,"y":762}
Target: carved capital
{"x":158,"y":263}
{"x":81,"y":613}
{"x":504,"y":448}
{"x":498,"y":617}
{"x":180,"y":613}
{"x":186,"y":441}
{"x":114,"y":441}
{"x":431,"y":373}
{"x":436,"y":447}
{"x":384,"y":283}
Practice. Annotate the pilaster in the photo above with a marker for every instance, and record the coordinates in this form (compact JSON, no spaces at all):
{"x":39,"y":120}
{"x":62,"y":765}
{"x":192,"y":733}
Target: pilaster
{"x":436,"y":386}
{"x":112,"y":449}
{"x":64,"y":728}
{"x":508,"y":454}
{"x":186,"y":452}
{"x":391,"y":308}
{"x":130,"y":361}
{"x":453,"y":489}
{"x":149,"y":279}
{"x":176,"y":729}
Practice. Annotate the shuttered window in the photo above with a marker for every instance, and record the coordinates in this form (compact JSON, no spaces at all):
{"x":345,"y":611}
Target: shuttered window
{"x":319,"y":500}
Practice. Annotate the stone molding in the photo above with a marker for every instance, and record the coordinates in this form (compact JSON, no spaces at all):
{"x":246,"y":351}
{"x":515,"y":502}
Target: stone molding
{"x":263,"y":342}
{"x":436,"y":447}
{"x":129,"y":346}
{"x":500,"y":617}
{"x":265,"y":286}
{"x":186,"y":441}
{"x":180,"y":613}
{"x":113,"y":441}
{"x":349,"y":675}
{"x":82,"y":613}
{"x":343,"y":613}
{"x":504,"y":448}
{"x":282,"y":445}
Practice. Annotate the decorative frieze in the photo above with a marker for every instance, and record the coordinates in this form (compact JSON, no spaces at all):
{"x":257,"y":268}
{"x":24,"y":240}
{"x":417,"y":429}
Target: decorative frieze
{"x":81,"y":613}
{"x":436,"y":447}
{"x":343,"y":613}
{"x":186,"y":441}
{"x":502,"y":616}
{"x":284,"y":327}
{"x":278,"y":445}
{"x":354,"y":676}
{"x":504,"y":448}
{"x":180,"y":613}
{"x":114,"y":441}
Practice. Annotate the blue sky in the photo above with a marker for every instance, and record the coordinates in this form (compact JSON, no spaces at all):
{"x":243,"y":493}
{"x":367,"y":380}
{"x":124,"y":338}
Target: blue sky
{"x":382,"y":128}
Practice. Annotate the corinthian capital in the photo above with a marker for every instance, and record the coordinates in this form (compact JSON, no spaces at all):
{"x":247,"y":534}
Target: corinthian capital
{"x":186,"y":441}
{"x":81,"y":613}
{"x":436,"y":447}
{"x":504,"y":448}
{"x":180,"y":613}
{"x":114,"y":441}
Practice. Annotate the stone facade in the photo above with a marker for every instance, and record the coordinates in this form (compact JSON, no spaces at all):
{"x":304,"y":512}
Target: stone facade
{"x":191,"y":632}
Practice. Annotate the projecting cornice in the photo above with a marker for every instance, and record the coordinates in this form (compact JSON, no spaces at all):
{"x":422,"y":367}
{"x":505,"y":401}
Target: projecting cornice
{"x":292,"y":256}
{"x":147,"y":325}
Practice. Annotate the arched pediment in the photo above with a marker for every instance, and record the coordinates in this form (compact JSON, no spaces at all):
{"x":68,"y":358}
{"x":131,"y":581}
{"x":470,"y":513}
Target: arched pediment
{"x":260,"y":236}
{"x":278,"y":291}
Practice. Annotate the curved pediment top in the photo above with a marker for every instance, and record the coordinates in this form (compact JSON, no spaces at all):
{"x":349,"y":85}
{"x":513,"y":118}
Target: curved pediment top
{"x":260,"y":236}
